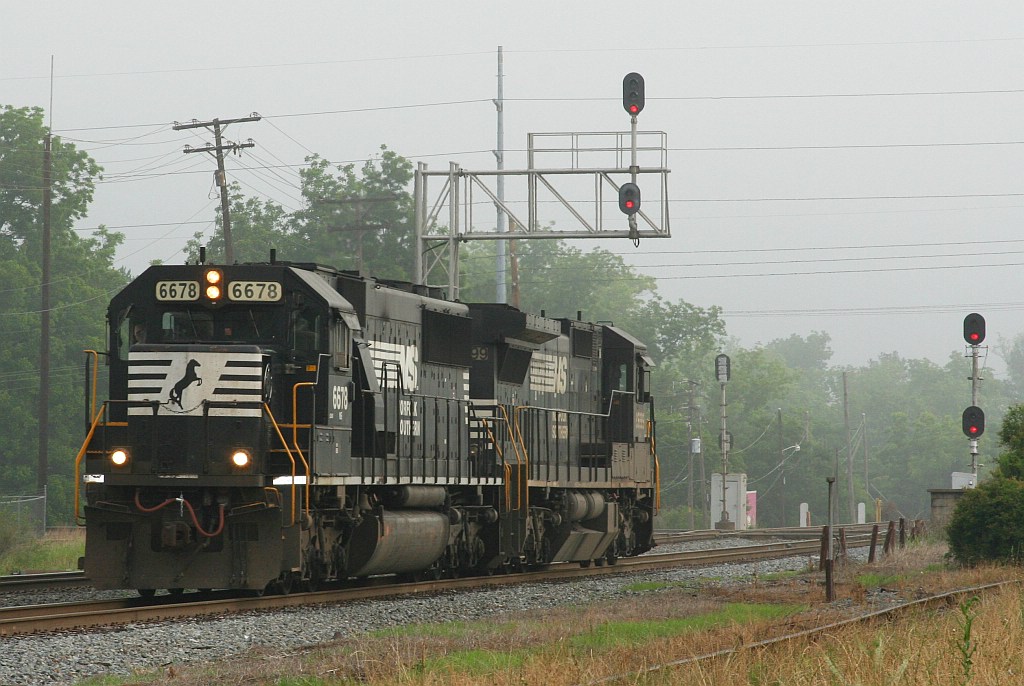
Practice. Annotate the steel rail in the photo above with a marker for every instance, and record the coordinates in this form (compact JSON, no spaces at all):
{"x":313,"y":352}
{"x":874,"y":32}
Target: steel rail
{"x":71,"y":616}
{"x":41,"y":581}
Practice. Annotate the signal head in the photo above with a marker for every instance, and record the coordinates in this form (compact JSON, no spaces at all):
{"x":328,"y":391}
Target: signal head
{"x":633,"y":93}
{"x":974,"y":328}
{"x":973,"y":422}
{"x":629,"y":198}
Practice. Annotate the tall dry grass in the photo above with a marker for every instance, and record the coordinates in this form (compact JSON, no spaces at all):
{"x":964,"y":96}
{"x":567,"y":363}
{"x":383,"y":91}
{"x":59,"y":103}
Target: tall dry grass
{"x":581,"y":645}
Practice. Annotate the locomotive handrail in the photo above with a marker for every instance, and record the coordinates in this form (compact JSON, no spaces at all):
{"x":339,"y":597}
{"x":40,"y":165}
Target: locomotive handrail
{"x":78,"y":462}
{"x":92,"y":381}
{"x":506,"y":467}
{"x":519,"y":462}
{"x":522,"y":460}
{"x":288,"y":452}
{"x":657,"y":467}
{"x":295,"y":432}
{"x":581,"y":413}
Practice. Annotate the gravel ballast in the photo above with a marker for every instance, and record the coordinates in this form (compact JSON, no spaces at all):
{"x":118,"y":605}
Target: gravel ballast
{"x":68,"y":658}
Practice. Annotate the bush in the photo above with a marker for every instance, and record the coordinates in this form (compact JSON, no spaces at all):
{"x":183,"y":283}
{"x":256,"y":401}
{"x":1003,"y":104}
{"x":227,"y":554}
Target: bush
{"x":988,"y":523}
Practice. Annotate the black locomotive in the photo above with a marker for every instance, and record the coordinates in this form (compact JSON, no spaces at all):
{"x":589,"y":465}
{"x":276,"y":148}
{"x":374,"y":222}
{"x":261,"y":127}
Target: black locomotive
{"x":280,"y":423}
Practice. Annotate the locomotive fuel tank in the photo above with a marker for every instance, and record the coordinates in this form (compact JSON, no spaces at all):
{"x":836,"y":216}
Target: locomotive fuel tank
{"x":397,"y":541}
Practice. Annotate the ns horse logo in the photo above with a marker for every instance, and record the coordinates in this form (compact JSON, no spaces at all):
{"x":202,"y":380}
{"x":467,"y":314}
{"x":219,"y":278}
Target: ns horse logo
{"x":184,"y":382}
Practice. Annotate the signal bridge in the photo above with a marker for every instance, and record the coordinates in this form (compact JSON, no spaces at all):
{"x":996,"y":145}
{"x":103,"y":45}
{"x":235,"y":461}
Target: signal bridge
{"x":579,"y":199}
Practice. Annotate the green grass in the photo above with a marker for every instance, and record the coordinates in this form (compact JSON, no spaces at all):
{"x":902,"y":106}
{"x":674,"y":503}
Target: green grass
{"x":58,"y":551}
{"x":636,"y":633}
{"x":610,"y":635}
{"x":476,"y":662}
{"x":873,"y":580}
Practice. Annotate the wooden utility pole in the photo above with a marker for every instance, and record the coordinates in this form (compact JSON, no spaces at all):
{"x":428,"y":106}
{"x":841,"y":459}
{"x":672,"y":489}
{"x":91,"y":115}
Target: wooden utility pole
{"x":217,"y":149}
{"x":361,"y":223}
{"x":44,"y":324}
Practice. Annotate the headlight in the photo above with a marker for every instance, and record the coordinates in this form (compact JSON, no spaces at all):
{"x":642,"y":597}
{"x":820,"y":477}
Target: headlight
{"x":213,"y":279}
{"x":240,"y":458}
{"x":119,"y":457}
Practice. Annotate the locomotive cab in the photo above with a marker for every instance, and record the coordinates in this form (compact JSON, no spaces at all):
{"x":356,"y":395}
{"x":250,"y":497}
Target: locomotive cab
{"x":217,"y":376}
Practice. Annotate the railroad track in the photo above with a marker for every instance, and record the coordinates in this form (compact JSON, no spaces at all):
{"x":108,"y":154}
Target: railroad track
{"x":937,"y":600}
{"x":666,"y":536}
{"x":71,"y":616}
{"x":50,"y":580}
{"x":41,"y":581}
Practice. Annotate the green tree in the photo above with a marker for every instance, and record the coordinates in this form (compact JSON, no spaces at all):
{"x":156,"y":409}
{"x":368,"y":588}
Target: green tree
{"x":358,"y":221}
{"x":988,"y":523}
{"x":349,"y":220}
{"x":1011,"y":437}
{"x":83,"y":278}
{"x":256,"y":227}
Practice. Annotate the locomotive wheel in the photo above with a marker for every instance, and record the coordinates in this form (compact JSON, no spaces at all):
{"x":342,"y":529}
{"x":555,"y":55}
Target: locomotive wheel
{"x":147,"y":592}
{"x":584,"y":564}
{"x":283,"y":586}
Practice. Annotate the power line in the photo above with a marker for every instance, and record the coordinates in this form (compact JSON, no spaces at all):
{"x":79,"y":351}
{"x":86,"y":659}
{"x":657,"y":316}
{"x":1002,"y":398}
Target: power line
{"x":873,"y":311}
{"x":785,"y":96}
{"x":851,"y":146}
{"x":541,"y":51}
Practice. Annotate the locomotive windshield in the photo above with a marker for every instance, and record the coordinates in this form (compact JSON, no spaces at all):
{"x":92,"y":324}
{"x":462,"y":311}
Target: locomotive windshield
{"x":227,"y":325}
{"x":178,"y":324}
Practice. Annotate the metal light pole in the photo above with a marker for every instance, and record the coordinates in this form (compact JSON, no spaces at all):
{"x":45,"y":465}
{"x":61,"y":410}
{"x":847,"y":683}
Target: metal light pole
{"x":723,"y":372}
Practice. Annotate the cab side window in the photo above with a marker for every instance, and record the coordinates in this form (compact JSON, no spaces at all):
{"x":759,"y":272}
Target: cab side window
{"x":305,"y":331}
{"x":341,"y":346}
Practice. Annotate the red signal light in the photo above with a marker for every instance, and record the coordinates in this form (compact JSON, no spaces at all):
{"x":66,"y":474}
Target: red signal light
{"x":974,"y":328}
{"x":629,"y":198}
{"x":973,"y":422}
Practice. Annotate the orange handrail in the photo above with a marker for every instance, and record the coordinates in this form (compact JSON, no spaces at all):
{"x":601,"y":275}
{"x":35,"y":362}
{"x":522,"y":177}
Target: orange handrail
{"x":657,"y":467}
{"x":519,"y":458}
{"x":506,"y":467}
{"x":78,"y":463}
{"x":526,"y":455}
{"x":295,"y":432}
{"x":95,"y":375}
{"x":290,"y":458}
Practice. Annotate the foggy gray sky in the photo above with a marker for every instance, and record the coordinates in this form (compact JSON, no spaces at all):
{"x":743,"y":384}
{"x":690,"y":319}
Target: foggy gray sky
{"x":847,"y":167}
